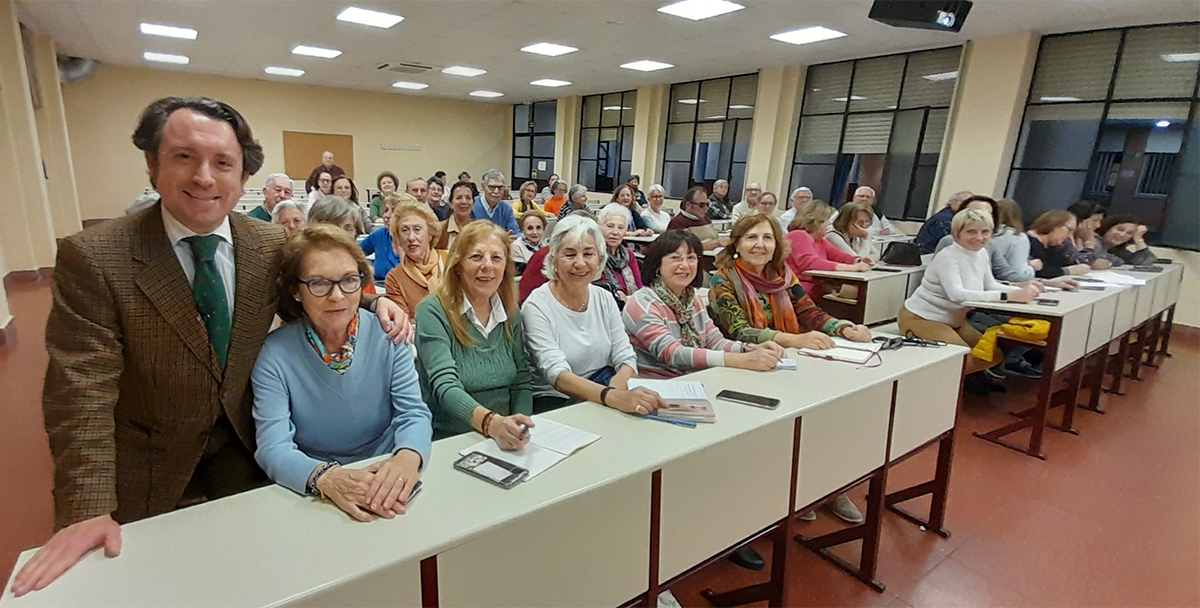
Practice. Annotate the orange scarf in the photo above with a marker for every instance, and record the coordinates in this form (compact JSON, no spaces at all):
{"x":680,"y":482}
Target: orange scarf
{"x":783,"y":313}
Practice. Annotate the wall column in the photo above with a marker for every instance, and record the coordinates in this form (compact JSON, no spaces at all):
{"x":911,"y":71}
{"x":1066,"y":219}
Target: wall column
{"x":650,"y":133}
{"x":55,"y":142}
{"x":771,"y":142}
{"x":566,"y":138}
{"x":986,"y":121}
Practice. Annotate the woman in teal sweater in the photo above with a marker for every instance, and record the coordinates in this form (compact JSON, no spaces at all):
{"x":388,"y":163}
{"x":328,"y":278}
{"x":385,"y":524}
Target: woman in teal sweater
{"x":471,"y":343}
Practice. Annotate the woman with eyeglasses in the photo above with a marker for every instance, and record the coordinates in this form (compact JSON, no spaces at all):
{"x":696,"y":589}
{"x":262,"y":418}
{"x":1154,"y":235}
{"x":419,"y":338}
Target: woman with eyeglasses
{"x":341,"y":213}
{"x":848,"y":232}
{"x":332,"y":389}
{"x":525,"y":201}
{"x":322,"y":187}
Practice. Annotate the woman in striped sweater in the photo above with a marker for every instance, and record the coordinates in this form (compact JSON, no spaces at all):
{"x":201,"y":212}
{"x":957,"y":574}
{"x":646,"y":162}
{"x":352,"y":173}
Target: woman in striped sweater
{"x":667,"y":347}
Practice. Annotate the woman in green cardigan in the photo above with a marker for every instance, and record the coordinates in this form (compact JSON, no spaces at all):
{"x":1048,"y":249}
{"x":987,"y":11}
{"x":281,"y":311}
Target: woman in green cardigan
{"x":471,"y":343}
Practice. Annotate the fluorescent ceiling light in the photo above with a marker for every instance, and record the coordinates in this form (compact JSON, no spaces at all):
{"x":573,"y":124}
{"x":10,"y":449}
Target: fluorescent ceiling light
{"x":549,"y":49}
{"x":692,"y":102}
{"x":852,"y":98}
{"x":153,"y":29}
{"x":1162,"y":124}
{"x":616,"y":108}
{"x":277,"y":71}
{"x":1052,"y":98}
{"x":315,"y":51}
{"x":738,"y":106}
{"x":942,"y":76}
{"x":458,"y":70}
{"x":807,"y":35}
{"x":549,"y":82}
{"x":646,"y":65}
{"x":165,"y":58}
{"x":412,"y":86}
{"x":1181,"y":57}
{"x":700,"y":9}
{"x":363,"y":16}
{"x":488,"y":94}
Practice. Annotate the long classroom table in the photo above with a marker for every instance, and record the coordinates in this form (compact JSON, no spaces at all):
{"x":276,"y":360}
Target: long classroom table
{"x":881,"y":294}
{"x":1085,"y":325}
{"x":612,"y":525}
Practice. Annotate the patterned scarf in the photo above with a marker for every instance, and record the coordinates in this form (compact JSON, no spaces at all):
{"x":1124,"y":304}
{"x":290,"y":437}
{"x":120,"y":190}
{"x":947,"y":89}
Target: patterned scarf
{"x":783,"y":314}
{"x":684,"y":307}
{"x":618,"y":265}
{"x":339,"y":361}
{"x":427,"y":275}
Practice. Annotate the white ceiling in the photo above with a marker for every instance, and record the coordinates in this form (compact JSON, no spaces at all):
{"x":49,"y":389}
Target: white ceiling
{"x":240,"y":38}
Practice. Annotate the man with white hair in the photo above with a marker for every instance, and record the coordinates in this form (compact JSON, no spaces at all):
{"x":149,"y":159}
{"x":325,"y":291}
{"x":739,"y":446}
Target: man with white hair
{"x":749,"y":204}
{"x":801,"y":197}
{"x":488,"y":207}
{"x":326,"y":166}
{"x":880,"y":225}
{"x":278,"y":187}
{"x":718,"y":202}
{"x":938,"y":225}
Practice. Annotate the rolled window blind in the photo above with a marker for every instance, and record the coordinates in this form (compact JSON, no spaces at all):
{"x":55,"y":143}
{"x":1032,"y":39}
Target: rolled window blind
{"x":1075,"y":68}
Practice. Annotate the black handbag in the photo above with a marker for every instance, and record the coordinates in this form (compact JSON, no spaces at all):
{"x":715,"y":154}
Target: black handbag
{"x":900,"y":253}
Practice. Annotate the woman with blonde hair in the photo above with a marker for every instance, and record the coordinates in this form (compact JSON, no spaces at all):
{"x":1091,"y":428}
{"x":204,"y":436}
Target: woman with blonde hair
{"x":625,"y":196}
{"x":414,"y":229}
{"x":471,"y":343}
{"x":810,"y":250}
{"x":379,"y":242}
{"x":525,"y":203}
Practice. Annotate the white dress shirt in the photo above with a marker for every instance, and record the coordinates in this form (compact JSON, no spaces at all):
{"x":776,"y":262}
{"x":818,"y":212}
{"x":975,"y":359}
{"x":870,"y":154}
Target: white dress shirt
{"x":176,"y":232}
{"x":498,"y":315}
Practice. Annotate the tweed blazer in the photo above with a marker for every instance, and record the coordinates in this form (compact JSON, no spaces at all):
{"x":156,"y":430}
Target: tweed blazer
{"x":134,"y":387}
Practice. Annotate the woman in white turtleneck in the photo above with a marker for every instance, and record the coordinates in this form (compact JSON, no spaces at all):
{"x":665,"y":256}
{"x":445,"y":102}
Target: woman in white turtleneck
{"x":958,"y":274}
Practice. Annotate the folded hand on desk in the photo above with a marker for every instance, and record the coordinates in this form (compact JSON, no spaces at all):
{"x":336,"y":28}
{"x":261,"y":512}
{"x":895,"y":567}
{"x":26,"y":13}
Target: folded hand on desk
{"x":857,"y":333}
{"x":393,"y":483}
{"x":639,"y":401}
{"x":65,"y":549}
{"x":1027,"y":294}
{"x":758,"y":357}
{"x":812,"y":339}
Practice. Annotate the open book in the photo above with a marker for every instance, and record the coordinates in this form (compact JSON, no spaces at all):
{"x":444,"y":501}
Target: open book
{"x":845,"y":350}
{"x":550,"y":443}
{"x":685,"y":400}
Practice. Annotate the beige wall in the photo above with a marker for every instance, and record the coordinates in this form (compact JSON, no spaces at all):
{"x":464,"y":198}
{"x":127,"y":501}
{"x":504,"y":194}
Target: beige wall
{"x":63,"y":198}
{"x":103,"y":110}
{"x":776,"y":111}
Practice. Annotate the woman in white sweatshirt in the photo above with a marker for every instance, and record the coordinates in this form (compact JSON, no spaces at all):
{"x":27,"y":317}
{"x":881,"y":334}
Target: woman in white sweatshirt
{"x":958,"y":274}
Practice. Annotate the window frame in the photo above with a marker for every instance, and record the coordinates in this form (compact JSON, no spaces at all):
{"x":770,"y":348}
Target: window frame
{"x":532,"y":134}
{"x":621,"y":126}
{"x":696,"y":122}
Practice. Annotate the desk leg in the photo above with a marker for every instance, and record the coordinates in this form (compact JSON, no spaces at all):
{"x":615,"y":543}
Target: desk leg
{"x":1095,"y":381}
{"x":938,"y":489}
{"x":1166,"y":335}
{"x":429,"y":582}
{"x":868,"y":532}
{"x":1135,"y":356}
{"x":655,"y":533}
{"x":1036,"y":420}
{"x":1152,"y":343}
{"x":1116,"y":365}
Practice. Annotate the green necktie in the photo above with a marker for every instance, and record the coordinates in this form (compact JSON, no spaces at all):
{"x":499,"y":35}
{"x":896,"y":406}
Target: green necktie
{"x":209,"y":292}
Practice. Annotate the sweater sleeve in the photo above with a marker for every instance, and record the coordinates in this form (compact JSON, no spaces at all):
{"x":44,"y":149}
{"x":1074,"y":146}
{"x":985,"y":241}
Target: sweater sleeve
{"x":646,"y":321}
{"x":1052,"y":265}
{"x":835,"y":238}
{"x":810,"y":316}
{"x":730,"y":316}
{"x":520,"y":393}
{"x":950,"y":275}
{"x":544,"y":348}
{"x":450,"y":401}
{"x":510,"y":221}
{"x":395,"y":292}
{"x":275,"y":433}
{"x":411,"y":418}
{"x":806,"y":255}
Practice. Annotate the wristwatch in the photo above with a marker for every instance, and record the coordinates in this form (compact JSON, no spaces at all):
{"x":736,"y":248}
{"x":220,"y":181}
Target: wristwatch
{"x":1004,"y":296}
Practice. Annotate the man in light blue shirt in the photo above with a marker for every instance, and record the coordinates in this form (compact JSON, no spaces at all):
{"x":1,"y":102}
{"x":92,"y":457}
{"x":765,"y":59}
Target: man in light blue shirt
{"x":490,"y":205}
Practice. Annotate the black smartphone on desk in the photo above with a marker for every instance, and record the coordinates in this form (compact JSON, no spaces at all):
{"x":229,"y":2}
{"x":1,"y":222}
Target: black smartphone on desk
{"x":1045,"y":302}
{"x":766,"y":403}
{"x":887,"y":269}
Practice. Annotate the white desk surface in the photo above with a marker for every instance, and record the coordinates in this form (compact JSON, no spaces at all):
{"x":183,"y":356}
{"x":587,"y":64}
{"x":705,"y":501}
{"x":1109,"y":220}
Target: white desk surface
{"x":1068,"y":302}
{"x":870,"y":275}
{"x":270,"y":546}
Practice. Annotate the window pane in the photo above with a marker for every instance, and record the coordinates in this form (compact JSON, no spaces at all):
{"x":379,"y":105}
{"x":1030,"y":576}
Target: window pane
{"x":922,"y":192}
{"x":521,"y":118}
{"x":587,"y":173}
{"x":611,"y":110}
{"x":877,"y":83}
{"x":902,"y":151}
{"x":1074,"y":68}
{"x":591,"y":111}
{"x":544,"y":116}
{"x":630,"y":108}
{"x":679,"y":142}
{"x":935,"y":132}
{"x":737,"y":182}
{"x":714,"y":95}
{"x":1182,"y":225}
{"x":684,"y":98}
{"x":675,"y":179}
{"x":520,"y":169}
{"x":587,"y":143}
{"x":1058,"y":137}
{"x":521,"y":145}
{"x":1145,"y":71}
{"x":931,"y":78}
{"x":627,"y":144}
{"x":741,"y":145}
{"x":818,"y":178}
{"x":818,"y":139}
{"x":543,"y":145}
{"x":825,"y":84}
{"x":1041,"y":191}
{"x":867,"y":133}
{"x":542,"y":173}
{"x":742,"y":96}
{"x":710,"y":148}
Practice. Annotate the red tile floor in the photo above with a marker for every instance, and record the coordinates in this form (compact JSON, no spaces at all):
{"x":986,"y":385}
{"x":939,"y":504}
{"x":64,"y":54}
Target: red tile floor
{"x":1112,"y":518}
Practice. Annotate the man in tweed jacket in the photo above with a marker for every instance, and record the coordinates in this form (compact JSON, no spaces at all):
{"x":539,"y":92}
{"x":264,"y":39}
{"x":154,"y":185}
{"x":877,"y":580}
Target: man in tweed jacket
{"x":138,"y":407}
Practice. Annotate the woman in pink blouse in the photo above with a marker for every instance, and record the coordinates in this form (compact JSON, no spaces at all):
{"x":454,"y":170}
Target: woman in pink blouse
{"x":811,"y":251}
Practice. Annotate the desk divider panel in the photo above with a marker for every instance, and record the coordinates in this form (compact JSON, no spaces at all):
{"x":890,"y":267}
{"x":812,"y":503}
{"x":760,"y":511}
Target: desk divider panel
{"x":842,"y":441}
{"x":399,"y":585}
{"x":885,"y":297}
{"x":591,"y":549}
{"x":1103,"y":313}
{"x":1126,"y":303}
{"x":1174,"y":282}
{"x":1161,"y":288}
{"x":926,"y":405}
{"x":716,"y":497}
{"x":1073,"y":340}
{"x":1145,"y":298}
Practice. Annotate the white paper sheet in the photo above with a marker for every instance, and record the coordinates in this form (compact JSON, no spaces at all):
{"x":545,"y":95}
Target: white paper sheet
{"x":536,"y":460}
{"x":786,"y":364}
{"x":849,"y":355}
{"x":871,"y":347}
{"x":672,"y":390}
{"x":558,"y":437}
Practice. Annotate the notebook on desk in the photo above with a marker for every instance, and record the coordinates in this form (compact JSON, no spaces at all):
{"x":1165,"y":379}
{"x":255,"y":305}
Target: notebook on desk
{"x":685,"y":400}
{"x":845,"y":350}
{"x":550,"y":443}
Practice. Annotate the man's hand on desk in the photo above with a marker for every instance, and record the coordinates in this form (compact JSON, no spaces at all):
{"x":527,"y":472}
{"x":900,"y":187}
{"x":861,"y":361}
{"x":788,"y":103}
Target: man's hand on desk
{"x":65,"y":549}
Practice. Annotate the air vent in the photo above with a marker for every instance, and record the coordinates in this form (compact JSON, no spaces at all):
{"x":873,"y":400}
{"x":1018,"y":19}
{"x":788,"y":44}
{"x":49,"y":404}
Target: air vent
{"x":404,"y":68}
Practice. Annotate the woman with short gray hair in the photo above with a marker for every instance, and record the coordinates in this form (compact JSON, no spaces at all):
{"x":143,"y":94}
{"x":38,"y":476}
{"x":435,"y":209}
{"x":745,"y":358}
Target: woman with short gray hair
{"x":719,"y":206}
{"x":576,"y":338}
{"x":337,"y":211}
{"x":655,"y":217}
{"x":621,"y":274}
{"x":576,"y":200}
{"x":290,"y":214}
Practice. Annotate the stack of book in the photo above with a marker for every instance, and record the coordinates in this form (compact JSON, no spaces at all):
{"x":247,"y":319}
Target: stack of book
{"x":685,"y":400}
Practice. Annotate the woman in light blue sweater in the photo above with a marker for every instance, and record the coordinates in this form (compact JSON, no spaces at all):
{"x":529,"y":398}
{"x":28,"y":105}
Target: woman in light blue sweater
{"x":330,"y":389}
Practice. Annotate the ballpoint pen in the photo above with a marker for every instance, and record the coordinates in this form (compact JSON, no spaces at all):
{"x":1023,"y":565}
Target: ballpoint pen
{"x":688,"y":423}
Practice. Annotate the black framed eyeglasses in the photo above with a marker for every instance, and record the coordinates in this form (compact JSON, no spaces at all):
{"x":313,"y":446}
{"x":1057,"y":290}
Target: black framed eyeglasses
{"x":321,"y":287}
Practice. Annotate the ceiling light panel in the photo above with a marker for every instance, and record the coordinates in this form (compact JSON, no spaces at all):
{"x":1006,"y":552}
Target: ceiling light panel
{"x":411,"y":86}
{"x":646,"y":65}
{"x":700,"y":9}
{"x":549,"y":49}
{"x":278,"y":71}
{"x":154,"y":29}
{"x":941,"y":77}
{"x":485,"y":94}
{"x":363,"y":16}
{"x":165,"y":58}
{"x":1181,"y":57}
{"x":1057,"y":99}
{"x":315,"y":51}
{"x":549,"y":82}
{"x":459,"y":70}
{"x":808,"y":35}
